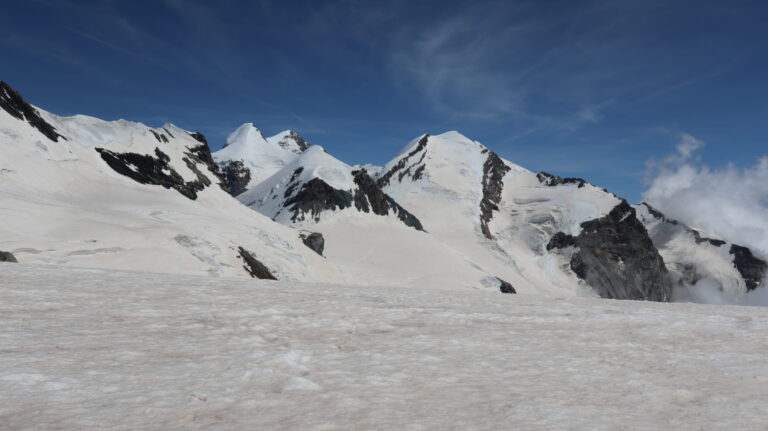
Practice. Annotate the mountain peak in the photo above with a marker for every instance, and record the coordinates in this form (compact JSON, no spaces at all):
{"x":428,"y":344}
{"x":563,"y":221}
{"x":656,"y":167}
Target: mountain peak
{"x":290,"y":141}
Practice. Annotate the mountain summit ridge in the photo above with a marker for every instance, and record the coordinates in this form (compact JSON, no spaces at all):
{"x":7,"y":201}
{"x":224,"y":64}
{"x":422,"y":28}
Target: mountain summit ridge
{"x":445,"y":212}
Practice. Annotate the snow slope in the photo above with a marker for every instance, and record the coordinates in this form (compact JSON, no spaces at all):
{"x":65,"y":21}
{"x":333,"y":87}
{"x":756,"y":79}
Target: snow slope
{"x":64,"y":201}
{"x":111,"y":350}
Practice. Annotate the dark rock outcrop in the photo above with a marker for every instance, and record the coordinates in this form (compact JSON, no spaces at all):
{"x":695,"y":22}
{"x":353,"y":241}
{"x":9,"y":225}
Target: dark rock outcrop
{"x":314,"y":197}
{"x":752,"y":269}
{"x":702,"y":239}
{"x":160,"y":137}
{"x":157,"y":170}
{"x":253,"y":267}
{"x":6,"y":256}
{"x":658,"y":214}
{"x":236,"y":177}
{"x":384,"y":180}
{"x":494,"y":170}
{"x":303,"y":144}
{"x":199,"y":137}
{"x":561,"y":240}
{"x":201,"y":154}
{"x":554,"y":180}
{"x":292,"y":184}
{"x":12,"y":102}
{"x":505,"y":286}
{"x":369,"y":197}
{"x":617,"y":257}
{"x":146,"y":169}
{"x":313,"y":240}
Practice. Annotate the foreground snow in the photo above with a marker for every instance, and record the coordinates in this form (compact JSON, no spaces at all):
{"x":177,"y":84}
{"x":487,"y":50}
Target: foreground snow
{"x":100,"y":349}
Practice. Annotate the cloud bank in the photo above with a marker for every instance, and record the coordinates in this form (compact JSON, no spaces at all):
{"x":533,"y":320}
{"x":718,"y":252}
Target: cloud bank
{"x":727,"y":201}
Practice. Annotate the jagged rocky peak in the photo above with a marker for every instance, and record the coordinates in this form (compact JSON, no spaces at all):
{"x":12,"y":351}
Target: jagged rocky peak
{"x":616,"y":257}
{"x":554,"y":180}
{"x":12,"y":103}
{"x":317,"y":185}
{"x":290,"y":140}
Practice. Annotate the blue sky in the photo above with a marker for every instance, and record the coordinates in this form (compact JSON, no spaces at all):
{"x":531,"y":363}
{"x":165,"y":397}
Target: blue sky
{"x":577,"y":88}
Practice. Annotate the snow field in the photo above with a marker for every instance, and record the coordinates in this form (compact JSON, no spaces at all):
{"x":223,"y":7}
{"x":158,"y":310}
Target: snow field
{"x":101,"y":349}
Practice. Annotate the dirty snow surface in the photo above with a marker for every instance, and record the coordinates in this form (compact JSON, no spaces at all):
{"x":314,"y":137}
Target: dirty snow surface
{"x":101,"y":349}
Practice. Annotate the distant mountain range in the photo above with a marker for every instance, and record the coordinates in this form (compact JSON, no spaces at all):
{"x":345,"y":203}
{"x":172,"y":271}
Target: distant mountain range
{"x":445,"y":212}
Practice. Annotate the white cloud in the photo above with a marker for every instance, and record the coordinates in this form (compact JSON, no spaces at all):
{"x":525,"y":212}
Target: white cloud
{"x":687,"y":146}
{"x":727,"y":201}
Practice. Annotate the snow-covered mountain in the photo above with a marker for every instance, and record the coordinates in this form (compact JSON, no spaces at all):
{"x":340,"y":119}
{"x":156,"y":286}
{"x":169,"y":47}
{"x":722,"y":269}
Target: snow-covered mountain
{"x":365,"y":231}
{"x":248,"y":158}
{"x":445,"y":212}
{"x":541,"y":232}
{"x":118,"y":194}
{"x":316,"y":185}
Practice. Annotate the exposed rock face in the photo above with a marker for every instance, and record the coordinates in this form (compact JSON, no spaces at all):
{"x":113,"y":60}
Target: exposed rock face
{"x":656,"y":213}
{"x":12,"y":102}
{"x":202,"y":154}
{"x":316,"y":196}
{"x":6,"y":256}
{"x":505,"y":286}
{"x":300,"y":142}
{"x":702,"y":239}
{"x":494,"y":170}
{"x":617,"y":258}
{"x":554,"y":180}
{"x":369,"y":196}
{"x":236,"y":176}
{"x":255,"y":268}
{"x":313,"y":240}
{"x":752,"y":269}
{"x":384,"y":180}
{"x":157,"y":170}
{"x":147,"y":169}
{"x":161,"y":138}
{"x":561,"y":240}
